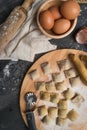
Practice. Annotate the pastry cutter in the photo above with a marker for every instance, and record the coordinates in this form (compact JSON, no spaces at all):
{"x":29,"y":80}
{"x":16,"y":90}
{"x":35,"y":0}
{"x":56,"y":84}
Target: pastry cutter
{"x":30,"y":99}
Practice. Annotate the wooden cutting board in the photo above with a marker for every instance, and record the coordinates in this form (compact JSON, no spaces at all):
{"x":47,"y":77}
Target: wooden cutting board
{"x":28,"y":85}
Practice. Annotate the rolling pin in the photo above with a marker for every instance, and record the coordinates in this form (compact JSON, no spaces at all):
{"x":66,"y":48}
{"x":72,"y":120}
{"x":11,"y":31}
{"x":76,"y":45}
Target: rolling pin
{"x":15,"y":20}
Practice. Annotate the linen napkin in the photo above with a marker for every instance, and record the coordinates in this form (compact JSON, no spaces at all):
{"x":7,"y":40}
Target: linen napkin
{"x":28,"y":40}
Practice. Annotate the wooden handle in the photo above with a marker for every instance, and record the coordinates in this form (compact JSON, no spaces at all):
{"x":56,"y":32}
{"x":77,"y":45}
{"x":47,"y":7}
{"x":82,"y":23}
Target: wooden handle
{"x":10,"y":27}
{"x":79,"y":1}
{"x":27,"y":3}
{"x":80,"y":67}
{"x":82,"y":1}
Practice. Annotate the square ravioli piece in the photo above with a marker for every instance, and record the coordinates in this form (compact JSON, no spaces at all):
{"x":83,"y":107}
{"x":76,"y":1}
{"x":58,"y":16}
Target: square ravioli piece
{"x":48,"y":120}
{"x":78,"y":100}
{"x":54,"y":97}
{"x":34,"y":74}
{"x":76,"y":82}
{"x":46,"y":67}
{"x":50,"y":86}
{"x":70,"y":73}
{"x":40,"y":86}
{"x":58,"y":77}
{"x":73,"y":115}
{"x":61,"y":121}
{"x":45,"y":96}
{"x":69,"y":93}
{"x":63,"y":104}
{"x":53,"y":112}
{"x":64,"y":64}
{"x":62,"y":113}
{"x":61,"y":86}
{"x":42,"y":111}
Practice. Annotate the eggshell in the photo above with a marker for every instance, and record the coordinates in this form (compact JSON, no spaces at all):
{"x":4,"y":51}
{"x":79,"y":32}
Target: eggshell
{"x":46,"y":20}
{"x":55,"y":12}
{"x":70,"y":9}
{"x":61,"y":26}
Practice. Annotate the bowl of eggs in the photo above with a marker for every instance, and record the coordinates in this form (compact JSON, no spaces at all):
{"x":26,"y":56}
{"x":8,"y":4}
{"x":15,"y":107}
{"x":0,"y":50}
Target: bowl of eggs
{"x":56,"y":18}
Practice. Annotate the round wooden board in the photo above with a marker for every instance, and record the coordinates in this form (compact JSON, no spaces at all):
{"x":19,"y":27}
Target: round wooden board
{"x":27,"y":85}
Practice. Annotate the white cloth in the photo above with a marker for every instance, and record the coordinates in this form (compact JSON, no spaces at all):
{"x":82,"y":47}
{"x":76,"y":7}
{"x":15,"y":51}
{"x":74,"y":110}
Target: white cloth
{"x":28,"y":40}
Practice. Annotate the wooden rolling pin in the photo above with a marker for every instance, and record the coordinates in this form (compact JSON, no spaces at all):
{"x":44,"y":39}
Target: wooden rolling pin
{"x":80,"y":66}
{"x":82,"y":1}
{"x":15,"y":20}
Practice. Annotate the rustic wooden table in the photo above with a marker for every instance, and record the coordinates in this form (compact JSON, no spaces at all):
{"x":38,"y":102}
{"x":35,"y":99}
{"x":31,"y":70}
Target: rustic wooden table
{"x":12,"y":72}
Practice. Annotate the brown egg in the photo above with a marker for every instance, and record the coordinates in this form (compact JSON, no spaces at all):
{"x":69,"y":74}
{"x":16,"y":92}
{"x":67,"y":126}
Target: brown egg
{"x":55,"y":12}
{"x":46,"y":20}
{"x":61,"y":26}
{"x":70,"y":9}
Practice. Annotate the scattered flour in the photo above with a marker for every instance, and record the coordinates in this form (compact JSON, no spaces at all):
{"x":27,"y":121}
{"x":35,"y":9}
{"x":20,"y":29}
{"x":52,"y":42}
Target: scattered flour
{"x":6,"y":71}
{"x":85,"y":8}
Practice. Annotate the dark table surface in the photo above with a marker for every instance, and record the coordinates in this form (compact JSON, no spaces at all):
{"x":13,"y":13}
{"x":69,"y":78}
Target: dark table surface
{"x":13,"y":72}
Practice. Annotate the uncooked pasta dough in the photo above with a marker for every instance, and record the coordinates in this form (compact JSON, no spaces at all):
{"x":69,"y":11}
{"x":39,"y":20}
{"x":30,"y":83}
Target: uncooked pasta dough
{"x":34,"y":74}
{"x":58,"y":77}
{"x":63,"y":104}
{"x":53,"y":112}
{"x":42,"y":111}
{"x":45,"y":96}
{"x":40,"y":86}
{"x":73,"y":115}
{"x":46,"y":67}
{"x":69,"y":93}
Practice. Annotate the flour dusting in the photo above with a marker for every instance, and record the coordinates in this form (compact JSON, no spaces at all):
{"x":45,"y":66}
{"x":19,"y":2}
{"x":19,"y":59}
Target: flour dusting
{"x":6,"y":70}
